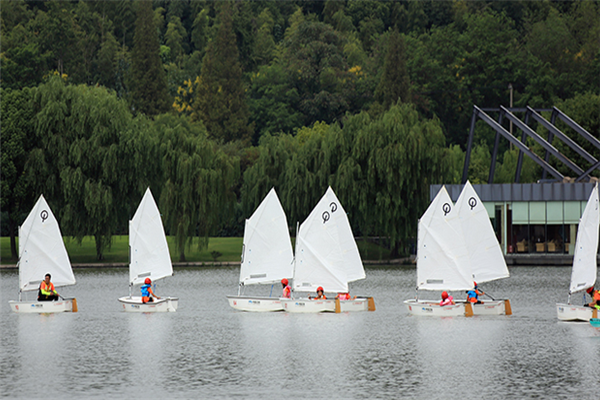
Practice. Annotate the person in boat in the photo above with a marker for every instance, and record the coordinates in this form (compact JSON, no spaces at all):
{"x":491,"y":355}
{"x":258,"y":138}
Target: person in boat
{"x":344,"y":296}
{"x":287,"y":291}
{"x":447,"y":300}
{"x":320,"y":294}
{"x":148,"y":295}
{"x":47,"y":291}
{"x":595,"y":298}
{"x":473,"y":295}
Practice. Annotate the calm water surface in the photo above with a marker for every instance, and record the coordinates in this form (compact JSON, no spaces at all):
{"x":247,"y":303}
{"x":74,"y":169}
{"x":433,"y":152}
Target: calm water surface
{"x":208,"y":350}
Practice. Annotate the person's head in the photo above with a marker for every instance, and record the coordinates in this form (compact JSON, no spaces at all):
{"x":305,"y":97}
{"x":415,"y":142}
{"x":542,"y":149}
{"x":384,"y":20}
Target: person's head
{"x":590,"y":290}
{"x":47,"y":277}
{"x":320,"y":290}
{"x":147,"y":281}
{"x":284,"y":282}
{"x":444,"y":295}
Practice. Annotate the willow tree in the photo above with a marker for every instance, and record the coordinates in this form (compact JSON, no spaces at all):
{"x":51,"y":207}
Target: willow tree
{"x":87,"y":159}
{"x":385,"y":167}
{"x":198,"y":178}
{"x":16,"y":142}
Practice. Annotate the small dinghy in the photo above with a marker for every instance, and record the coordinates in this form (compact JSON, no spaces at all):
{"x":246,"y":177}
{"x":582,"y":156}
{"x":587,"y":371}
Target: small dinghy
{"x":326,"y":256}
{"x":267,"y":256}
{"x":42,"y":251}
{"x":585,"y":266}
{"x":485,"y":256}
{"x":148,"y":257}
{"x":443,"y":262}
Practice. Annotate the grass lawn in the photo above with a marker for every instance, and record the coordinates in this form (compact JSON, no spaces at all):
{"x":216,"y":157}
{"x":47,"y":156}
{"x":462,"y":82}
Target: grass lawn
{"x":230,"y":249}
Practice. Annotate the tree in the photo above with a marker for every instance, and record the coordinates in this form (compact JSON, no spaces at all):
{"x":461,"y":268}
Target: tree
{"x":221,"y":102}
{"x":17,"y":142}
{"x":149,"y":94}
{"x":198,"y":178}
{"x":393,"y":84}
{"x":88,"y":158}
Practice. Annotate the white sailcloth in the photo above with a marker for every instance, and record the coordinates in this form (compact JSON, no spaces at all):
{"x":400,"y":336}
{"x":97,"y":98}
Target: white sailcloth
{"x":442,"y":257}
{"x":585,"y":266}
{"x":486,"y":259}
{"x":267,"y":255}
{"x":326,"y":253}
{"x":42,"y":250}
{"x":149,"y":252}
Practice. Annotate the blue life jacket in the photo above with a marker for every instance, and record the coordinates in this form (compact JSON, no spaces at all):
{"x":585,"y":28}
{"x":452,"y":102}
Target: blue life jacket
{"x":472,"y":293}
{"x":145,"y":290}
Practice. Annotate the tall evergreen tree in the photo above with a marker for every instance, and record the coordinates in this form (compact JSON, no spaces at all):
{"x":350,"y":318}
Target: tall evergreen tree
{"x":394,"y":84}
{"x":221,"y":102}
{"x":149,"y":83}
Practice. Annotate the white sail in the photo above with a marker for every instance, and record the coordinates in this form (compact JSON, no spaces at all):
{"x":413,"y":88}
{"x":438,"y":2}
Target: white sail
{"x":486,"y":259}
{"x":585,"y":266}
{"x":42,"y":250}
{"x":442,"y":257}
{"x":149,"y":252}
{"x":326,"y":253}
{"x":267,"y":255}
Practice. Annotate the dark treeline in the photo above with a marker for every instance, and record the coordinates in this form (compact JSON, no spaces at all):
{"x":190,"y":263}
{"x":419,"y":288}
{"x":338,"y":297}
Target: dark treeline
{"x":211,"y":104}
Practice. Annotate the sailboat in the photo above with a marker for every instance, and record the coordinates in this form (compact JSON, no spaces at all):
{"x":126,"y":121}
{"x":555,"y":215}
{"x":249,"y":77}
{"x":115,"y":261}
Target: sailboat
{"x":148,"y":257}
{"x":486,"y":261}
{"x":42,"y":251}
{"x":443,"y":261}
{"x":327,"y":256}
{"x":583,"y":275}
{"x":267,"y":255}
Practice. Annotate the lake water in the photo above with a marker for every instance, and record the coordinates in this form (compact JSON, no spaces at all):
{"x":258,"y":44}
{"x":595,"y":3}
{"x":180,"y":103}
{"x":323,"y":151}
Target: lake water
{"x":208,"y":350}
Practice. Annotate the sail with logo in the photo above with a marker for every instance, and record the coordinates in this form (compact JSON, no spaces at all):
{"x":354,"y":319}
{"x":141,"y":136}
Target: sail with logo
{"x":42,"y":251}
{"x":326,"y":256}
{"x":443,"y":262}
{"x":486,"y":261}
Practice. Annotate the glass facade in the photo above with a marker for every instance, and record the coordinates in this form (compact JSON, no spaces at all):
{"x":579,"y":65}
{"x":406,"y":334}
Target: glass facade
{"x":531,"y":227}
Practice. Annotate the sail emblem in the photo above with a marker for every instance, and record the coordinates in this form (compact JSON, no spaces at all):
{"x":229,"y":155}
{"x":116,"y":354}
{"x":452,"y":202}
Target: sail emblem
{"x":326,"y":215}
{"x":472,"y":202}
{"x":44,"y":215}
{"x":446,"y":208}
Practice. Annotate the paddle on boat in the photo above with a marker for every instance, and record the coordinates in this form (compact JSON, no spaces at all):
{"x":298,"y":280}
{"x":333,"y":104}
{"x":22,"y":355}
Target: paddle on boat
{"x":443,"y":262}
{"x":585,"y":265}
{"x":485,"y":256}
{"x":148,"y":257}
{"x":42,"y":251}
{"x":267,"y":256}
{"x":326,"y":256}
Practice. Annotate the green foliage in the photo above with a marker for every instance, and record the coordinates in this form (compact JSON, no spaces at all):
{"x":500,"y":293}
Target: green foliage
{"x":221,"y":103}
{"x":16,"y":143}
{"x":393,"y":84}
{"x":149,"y":93}
{"x":88,"y":159}
{"x":196,"y":193}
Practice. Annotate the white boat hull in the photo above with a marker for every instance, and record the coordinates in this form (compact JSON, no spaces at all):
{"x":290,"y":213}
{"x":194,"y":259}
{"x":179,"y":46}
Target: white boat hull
{"x":569,"y":312}
{"x":134,"y":304}
{"x":329,"y":305}
{"x":432,"y":308}
{"x":308,"y":306}
{"x":37,"y":307}
{"x":255,"y":304}
{"x":492,"y":307}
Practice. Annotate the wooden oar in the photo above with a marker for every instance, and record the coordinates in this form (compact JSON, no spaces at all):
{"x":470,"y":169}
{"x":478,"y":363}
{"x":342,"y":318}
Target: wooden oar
{"x":338,"y":307}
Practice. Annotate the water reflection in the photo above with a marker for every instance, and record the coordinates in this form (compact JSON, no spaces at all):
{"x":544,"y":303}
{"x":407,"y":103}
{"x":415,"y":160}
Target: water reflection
{"x":208,"y":350}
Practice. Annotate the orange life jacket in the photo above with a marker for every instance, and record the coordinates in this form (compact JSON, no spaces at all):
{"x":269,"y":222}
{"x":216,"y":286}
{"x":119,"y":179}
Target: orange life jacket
{"x":47,"y":290}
